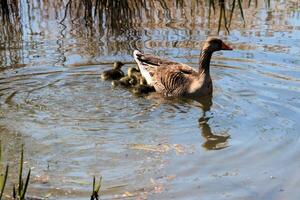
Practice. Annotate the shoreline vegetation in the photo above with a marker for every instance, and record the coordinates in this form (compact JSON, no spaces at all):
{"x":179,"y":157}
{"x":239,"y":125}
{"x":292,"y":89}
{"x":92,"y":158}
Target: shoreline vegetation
{"x":119,"y":15}
{"x":117,"y":21}
{"x":19,"y":190}
{"x":100,"y":15}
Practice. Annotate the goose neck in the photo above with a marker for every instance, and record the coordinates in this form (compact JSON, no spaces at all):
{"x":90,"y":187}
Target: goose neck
{"x":205,"y":57}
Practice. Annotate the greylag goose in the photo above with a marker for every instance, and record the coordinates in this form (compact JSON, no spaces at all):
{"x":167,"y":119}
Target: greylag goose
{"x":177,"y":79}
{"x":113,"y":74}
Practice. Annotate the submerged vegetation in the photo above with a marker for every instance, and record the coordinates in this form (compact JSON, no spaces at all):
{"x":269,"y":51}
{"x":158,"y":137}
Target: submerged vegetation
{"x":120,"y":15}
{"x":10,"y":19}
{"x":121,"y":20}
{"x":117,"y":16}
{"x":20,"y":189}
{"x":22,"y":186}
{"x":3,"y":175}
{"x":96,"y":188}
{"x":113,"y":18}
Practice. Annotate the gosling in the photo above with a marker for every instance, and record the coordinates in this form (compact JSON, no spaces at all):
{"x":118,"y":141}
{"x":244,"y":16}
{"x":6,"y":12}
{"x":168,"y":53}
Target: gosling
{"x":125,"y":81}
{"x":135,"y":75}
{"x":142,"y":87}
{"x":113,"y":74}
{"x":131,"y":79}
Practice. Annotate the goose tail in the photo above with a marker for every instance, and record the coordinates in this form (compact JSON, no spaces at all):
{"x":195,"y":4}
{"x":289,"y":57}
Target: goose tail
{"x":138,"y":57}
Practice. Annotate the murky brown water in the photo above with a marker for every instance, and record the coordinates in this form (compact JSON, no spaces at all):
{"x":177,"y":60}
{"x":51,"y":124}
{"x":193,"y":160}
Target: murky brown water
{"x":241,"y":144}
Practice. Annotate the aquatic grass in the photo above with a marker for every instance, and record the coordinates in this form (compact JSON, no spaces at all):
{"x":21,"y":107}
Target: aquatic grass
{"x":222,"y":12}
{"x":249,"y":3}
{"x":3,"y":177}
{"x":66,"y":10}
{"x":9,"y":16}
{"x":268,"y":3}
{"x":22,"y":188}
{"x":96,"y":188}
{"x":179,"y":3}
{"x":211,"y":5}
{"x":5,"y":11}
{"x":21,"y":171}
{"x":119,"y":16}
{"x":222,"y":15}
{"x":10,"y":30}
{"x":232,"y":11}
{"x":3,"y":180}
{"x":115,"y":16}
{"x":241,"y":10}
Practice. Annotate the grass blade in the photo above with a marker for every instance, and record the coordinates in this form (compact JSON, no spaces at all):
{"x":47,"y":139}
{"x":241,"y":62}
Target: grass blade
{"x":0,"y":151}
{"x":225,"y":18}
{"x":3,"y":182}
{"x":211,"y":4}
{"x":66,"y":10}
{"x":96,"y":188}
{"x":231,"y":12}
{"x":21,"y":171}
{"x":241,"y":9}
{"x":267,"y":2}
{"x":14,"y":192}
{"x":99,"y":185}
{"x":22,"y":197}
{"x":220,"y":18}
{"x":94,"y":182}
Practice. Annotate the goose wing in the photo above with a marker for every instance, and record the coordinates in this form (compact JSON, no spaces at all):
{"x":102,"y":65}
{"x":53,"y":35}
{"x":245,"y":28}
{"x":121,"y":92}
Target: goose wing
{"x":168,"y":77}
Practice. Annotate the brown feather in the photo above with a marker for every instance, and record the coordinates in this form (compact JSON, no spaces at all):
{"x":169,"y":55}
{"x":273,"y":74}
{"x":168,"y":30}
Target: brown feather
{"x":177,"y":79}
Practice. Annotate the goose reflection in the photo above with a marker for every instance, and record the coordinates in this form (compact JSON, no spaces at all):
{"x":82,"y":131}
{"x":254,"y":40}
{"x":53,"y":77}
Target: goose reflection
{"x":212,"y":141}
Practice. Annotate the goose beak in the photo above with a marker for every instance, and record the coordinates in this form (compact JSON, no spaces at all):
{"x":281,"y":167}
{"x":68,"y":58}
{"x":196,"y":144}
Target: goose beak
{"x":226,"y":47}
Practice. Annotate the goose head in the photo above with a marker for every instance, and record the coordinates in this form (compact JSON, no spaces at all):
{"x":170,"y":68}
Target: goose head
{"x":132,"y":70}
{"x":118,"y":65}
{"x":213,"y":44}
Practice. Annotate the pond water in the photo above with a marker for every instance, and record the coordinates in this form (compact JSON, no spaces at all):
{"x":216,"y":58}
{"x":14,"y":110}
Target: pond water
{"x":243,"y":143}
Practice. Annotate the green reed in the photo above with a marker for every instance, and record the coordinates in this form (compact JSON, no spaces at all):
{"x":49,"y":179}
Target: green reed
{"x":96,"y":188}
{"x":3,"y":177}
{"x":222,"y":11}
{"x":118,"y":16}
{"x":22,"y":186}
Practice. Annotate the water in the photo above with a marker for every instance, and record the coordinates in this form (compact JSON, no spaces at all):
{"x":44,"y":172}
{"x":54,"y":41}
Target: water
{"x":243,"y":143}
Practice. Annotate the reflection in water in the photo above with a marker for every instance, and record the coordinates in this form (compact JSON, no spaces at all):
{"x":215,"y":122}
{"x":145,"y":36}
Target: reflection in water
{"x":118,"y":17}
{"x":60,"y":46}
{"x":212,"y":141}
{"x":10,"y":34}
{"x":75,"y":126}
{"x":113,"y":26}
{"x":183,"y":105}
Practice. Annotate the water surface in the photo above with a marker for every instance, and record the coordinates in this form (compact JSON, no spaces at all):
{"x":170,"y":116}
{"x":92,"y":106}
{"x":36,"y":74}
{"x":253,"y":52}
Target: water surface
{"x":243,"y":143}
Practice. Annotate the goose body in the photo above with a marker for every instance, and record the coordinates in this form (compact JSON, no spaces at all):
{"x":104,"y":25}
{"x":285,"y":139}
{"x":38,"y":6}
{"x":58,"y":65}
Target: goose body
{"x":177,"y":79}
